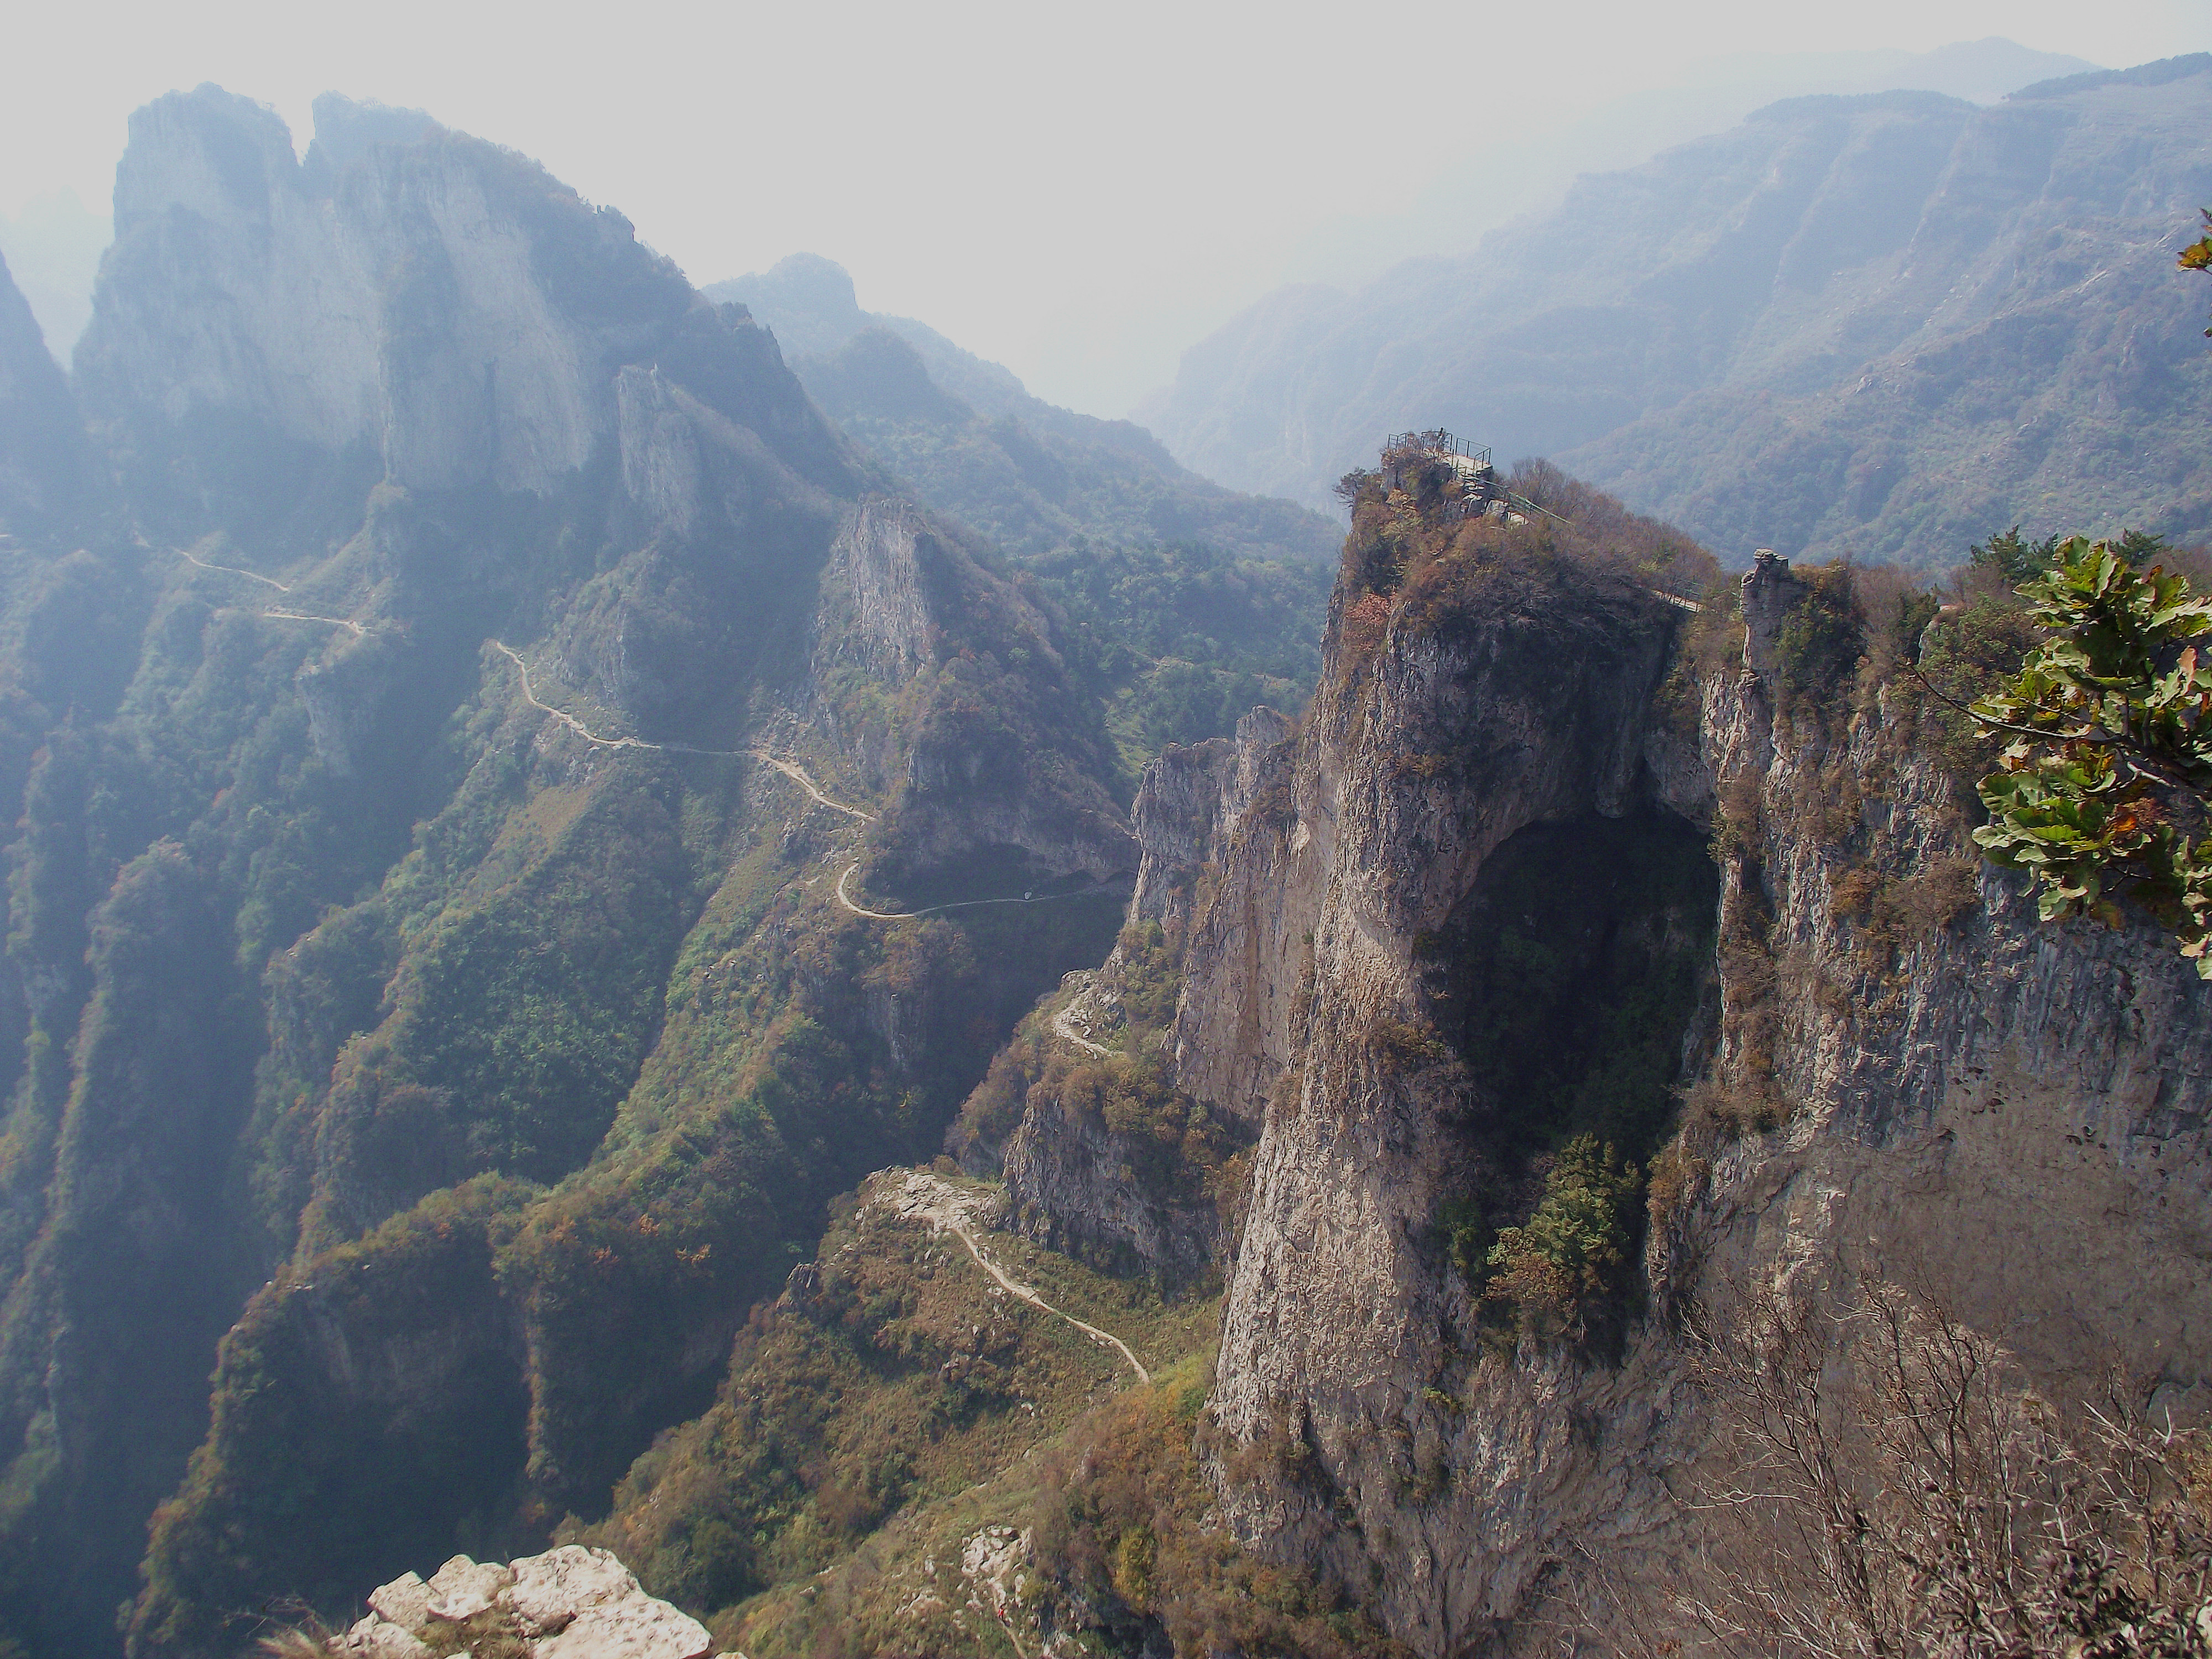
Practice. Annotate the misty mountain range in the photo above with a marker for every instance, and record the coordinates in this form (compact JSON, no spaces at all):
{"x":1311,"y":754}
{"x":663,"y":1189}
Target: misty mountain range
{"x":976,"y":445}
{"x":1881,"y":325}
{"x":577,"y":842}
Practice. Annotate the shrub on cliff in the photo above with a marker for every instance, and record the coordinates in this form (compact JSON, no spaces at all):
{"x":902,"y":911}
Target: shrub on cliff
{"x":1410,"y":555}
{"x":1553,"y":1275}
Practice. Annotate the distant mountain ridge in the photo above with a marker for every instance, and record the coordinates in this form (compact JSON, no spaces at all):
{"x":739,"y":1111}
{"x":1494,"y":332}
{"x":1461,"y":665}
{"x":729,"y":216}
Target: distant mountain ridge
{"x":437,"y":643}
{"x":1879,"y":324}
{"x":976,"y":444}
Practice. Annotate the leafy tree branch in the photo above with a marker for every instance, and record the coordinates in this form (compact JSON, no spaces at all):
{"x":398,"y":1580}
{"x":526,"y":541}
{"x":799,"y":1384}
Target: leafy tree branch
{"x":2103,"y":790}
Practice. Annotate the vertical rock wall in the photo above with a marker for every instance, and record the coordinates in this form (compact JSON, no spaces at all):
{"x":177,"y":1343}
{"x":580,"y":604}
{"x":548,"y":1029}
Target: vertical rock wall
{"x":2013,"y":1114}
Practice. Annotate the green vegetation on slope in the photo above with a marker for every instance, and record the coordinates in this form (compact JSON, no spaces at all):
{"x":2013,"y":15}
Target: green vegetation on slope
{"x":1183,"y":641}
{"x":906,"y":1461}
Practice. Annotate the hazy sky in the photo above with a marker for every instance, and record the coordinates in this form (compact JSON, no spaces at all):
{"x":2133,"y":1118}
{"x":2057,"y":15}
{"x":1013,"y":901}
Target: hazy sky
{"x":1078,"y":192}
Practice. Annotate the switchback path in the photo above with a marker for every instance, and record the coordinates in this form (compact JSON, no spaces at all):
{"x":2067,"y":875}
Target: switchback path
{"x":529,"y":697}
{"x":846,"y":899}
{"x":791,"y":769}
{"x":351,"y":626}
{"x":232,"y":570}
{"x":797,"y":774}
{"x":945,"y":1207}
{"x":302,"y":615}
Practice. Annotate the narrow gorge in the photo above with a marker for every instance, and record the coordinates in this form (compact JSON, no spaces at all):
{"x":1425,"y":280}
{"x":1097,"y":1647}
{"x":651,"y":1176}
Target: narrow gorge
{"x":594,"y":982}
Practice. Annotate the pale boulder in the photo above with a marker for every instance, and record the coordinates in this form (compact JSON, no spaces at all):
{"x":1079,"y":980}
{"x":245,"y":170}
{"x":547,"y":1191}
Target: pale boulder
{"x":568,"y":1603}
{"x":462,"y":1588}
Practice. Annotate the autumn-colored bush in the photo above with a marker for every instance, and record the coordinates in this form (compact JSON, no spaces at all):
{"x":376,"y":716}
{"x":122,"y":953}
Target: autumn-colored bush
{"x":1553,"y":1275}
{"x":1127,"y":1522}
{"x":1888,"y":1482}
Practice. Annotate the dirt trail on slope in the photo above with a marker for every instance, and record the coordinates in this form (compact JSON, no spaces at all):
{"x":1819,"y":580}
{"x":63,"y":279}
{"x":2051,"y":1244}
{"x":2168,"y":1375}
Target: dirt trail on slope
{"x":797,"y":776}
{"x":270,"y":581}
{"x":232,"y":570}
{"x":1061,"y":1028}
{"x":796,"y":773}
{"x":846,"y":898}
{"x":302,"y":615}
{"x":948,"y":1209}
{"x":529,"y":697}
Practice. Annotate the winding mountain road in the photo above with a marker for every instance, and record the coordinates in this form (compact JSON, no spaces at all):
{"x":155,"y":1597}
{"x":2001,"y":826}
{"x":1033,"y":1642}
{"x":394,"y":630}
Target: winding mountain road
{"x":232,"y":570}
{"x":945,"y":1206}
{"x":796,"y":773}
{"x":302,"y":615}
{"x":270,"y":581}
{"x":797,"y":776}
{"x":846,"y":899}
{"x":529,"y":695}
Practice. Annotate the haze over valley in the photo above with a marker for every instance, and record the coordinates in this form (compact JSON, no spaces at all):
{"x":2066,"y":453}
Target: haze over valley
{"x":703,"y":960}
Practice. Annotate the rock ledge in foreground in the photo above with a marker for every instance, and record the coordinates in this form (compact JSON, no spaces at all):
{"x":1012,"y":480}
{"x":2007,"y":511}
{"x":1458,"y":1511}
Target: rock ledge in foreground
{"x":568,"y":1603}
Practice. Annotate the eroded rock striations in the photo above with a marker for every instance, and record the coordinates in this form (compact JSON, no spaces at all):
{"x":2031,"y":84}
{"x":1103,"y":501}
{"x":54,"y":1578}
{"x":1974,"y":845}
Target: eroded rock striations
{"x":1516,"y":816}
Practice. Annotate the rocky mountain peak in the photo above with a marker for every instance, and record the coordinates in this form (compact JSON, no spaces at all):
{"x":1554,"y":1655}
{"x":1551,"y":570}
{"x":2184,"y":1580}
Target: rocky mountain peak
{"x":811,"y":298}
{"x":347,"y":129}
{"x":445,"y":314}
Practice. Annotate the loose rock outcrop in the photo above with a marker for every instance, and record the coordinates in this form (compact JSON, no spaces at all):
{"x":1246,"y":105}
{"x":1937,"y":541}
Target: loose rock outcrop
{"x":568,"y":1603}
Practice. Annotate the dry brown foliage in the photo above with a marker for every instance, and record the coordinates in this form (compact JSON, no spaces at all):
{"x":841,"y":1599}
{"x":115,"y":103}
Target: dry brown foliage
{"x":1890,"y":1489}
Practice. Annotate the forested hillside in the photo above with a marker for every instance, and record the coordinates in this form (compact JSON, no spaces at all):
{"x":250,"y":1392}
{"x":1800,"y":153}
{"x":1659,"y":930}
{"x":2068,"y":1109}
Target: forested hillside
{"x":1192,"y":602}
{"x":1880,"y":325}
{"x":472,"y":756}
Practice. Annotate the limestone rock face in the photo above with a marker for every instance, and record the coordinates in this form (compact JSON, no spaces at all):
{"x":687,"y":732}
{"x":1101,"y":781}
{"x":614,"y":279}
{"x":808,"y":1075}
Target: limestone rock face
{"x":2013,"y":1116}
{"x":407,"y":303}
{"x":457,"y":366}
{"x":568,"y":1603}
{"x":898,"y":589}
{"x":1188,"y":805}
{"x":1068,"y":1174}
{"x":881,"y":561}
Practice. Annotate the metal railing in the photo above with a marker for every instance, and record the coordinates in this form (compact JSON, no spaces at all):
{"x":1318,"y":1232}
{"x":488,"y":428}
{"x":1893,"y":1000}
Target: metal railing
{"x":1487,"y":494}
{"x":1437,"y":441}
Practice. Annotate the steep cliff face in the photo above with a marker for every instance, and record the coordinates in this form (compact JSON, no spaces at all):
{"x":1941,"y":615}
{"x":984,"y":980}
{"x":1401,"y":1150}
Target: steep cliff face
{"x":406,"y":299}
{"x":1537,"y":866}
{"x":1344,"y":1315}
{"x":1103,"y":1157}
{"x":487,"y":756}
{"x":2013,"y":1111}
{"x":974,"y":776}
{"x":44,"y":463}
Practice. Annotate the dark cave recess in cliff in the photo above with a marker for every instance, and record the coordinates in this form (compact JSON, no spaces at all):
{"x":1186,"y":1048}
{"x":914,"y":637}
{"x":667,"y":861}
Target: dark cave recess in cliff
{"x":1567,"y":981}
